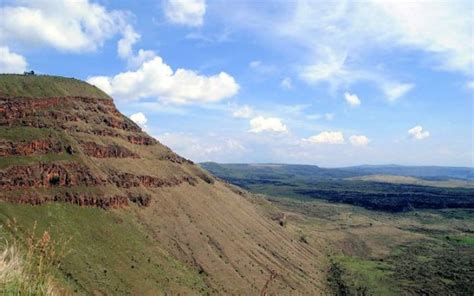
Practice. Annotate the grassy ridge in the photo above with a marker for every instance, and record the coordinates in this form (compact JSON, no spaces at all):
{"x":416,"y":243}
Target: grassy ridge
{"x":41,"y":86}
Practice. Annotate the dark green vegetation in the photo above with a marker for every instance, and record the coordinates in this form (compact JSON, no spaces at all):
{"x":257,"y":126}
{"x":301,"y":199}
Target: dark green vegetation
{"x":41,"y":86}
{"x":302,"y":181}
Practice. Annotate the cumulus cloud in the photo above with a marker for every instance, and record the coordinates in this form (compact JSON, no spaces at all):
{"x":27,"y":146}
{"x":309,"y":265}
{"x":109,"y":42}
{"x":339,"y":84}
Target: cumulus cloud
{"x":326,"y":137}
{"x":243,"y":112}
{"x":286,"y":83}
{"x":418,"y":133}
{"x":185,"y":12}
{"x":139,"y":118}
{"x":11,"y":62}
{"x":270,"y":124}
{"x":125,"y":44}
{"x":155,"y":79}
{"x":352,"y":99}
{"x":73,"y":26}
{"x":359,"y":140}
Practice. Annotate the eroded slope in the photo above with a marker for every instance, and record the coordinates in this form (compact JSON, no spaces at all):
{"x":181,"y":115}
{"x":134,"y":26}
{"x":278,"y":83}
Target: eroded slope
{"x":77,"y":150}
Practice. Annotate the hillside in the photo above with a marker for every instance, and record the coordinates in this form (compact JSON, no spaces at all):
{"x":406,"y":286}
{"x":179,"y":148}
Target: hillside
{"x":383,"y":234}
{"x":140,"y":219}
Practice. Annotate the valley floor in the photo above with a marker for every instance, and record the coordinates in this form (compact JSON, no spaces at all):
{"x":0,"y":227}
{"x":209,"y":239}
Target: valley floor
{"x":429,"y":252}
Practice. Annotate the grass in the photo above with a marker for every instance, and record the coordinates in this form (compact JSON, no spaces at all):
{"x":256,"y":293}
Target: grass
{"x":26,"y":262}
{"x":109,"y":252}
{"x":23,"y":133}
{"x":467,"y":240}
{"x":367,"y":276}
{"x":7,"y":161}
{"x":40,"y":86}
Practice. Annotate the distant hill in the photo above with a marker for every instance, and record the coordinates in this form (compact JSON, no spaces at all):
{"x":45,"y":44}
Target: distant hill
{"x":377,"y":188}
{"x":425,"y":172}
{"x":313,"y":172}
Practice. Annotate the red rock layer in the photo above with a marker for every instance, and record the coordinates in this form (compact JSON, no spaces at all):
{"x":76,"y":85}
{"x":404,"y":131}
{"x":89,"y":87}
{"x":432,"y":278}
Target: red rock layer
{"x":81,"y":199}
{"x":8,"y":148}
{"x":111,"y":151}
{"x":32,"y":112}
{"x":127,"y":180}
{"x":48,"y":175}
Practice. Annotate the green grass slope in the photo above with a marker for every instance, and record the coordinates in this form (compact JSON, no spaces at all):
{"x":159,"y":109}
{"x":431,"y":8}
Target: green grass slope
{"x":108,"y":252}
{"x":41,"y":86}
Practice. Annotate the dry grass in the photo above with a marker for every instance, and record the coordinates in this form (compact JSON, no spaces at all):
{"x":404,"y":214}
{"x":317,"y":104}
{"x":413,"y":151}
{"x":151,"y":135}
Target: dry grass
{"x":26,"y":263}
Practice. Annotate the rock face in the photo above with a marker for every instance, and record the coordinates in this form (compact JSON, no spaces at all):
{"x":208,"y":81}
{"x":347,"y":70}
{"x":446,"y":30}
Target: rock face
{"x":65,"y":142}
{"x":113,"y":151}
{"x":28,"y":148}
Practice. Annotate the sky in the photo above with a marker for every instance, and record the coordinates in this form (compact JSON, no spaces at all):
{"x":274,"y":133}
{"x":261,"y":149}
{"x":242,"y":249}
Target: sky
{"x":329,"y":83}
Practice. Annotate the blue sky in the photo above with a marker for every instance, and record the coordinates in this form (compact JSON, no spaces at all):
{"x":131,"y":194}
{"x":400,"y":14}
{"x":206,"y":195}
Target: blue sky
{"x":331,"y":83}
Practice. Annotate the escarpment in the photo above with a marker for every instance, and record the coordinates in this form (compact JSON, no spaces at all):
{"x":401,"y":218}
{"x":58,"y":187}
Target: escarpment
{"x":68,"y":141}
{"x":65,"y":148}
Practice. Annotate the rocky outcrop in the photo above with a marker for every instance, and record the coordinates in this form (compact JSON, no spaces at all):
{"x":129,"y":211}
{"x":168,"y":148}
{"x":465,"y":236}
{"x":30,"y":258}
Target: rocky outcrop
{"x":173,"y":157}
{"x":20,"y":108}
{"x":59,"y":111}
{"x":121,"y":124}
{"x":142,"y":200}
{"x":141,"y":140}
{"x":80,"y":199}
{"x":110,"y":151}
{"x":48,"y":175}
{"x":127,"y":180}
{"x":9,"y":148}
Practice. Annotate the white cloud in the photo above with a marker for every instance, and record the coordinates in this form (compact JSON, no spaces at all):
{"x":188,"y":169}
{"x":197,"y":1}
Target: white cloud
{"x":124,"y":45}
{"x":74,"y":26}
{"x":271,"y":124}
{"x":185,"y":12}
{"x":418,"y":133}
{"x":203,"y":147}
{"x":359,"y":140}
{"x":352,"y":99}
{"x":156,"y":79}
{"x":470,"y":84}
{"x":326,"y":137}
{"x":286,"y":83}
{"x":335,"y":40}
{"x":255,"y":64}
{"x":327,"y":116}
{"x":261,"y":67}
{"x":11,"y":62}
{"x":443,"y":28}
{"x":331,"y":69}
{"x":394,"y":91}
{"x":139,"y":118}
{"x":243,"y":112}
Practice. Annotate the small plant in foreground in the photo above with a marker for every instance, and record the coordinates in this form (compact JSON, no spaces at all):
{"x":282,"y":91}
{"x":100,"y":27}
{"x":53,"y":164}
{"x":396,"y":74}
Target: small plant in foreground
{"x":27,"y":270}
